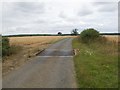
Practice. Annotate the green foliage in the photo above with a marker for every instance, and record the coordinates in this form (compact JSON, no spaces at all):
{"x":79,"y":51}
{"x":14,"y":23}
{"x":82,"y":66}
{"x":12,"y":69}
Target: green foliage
{"x":89,"y":35}
{"x":5,"y":46}
{"x":74,"y":32}
{"x":59,"y":33}
{"x":7,"y":49}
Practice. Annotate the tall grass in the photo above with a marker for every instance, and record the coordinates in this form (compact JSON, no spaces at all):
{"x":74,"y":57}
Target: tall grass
{"x":96,"y":64}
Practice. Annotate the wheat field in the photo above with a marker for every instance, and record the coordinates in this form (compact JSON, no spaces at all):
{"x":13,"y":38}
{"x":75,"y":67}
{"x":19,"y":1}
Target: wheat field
{"x":114,"y":38}
{"x":30,"y":40}
{"x":34,"y":40}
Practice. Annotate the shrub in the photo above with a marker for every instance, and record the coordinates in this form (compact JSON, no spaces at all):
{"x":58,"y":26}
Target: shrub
{"x":89,"y":35}
{"x":5,"y":46}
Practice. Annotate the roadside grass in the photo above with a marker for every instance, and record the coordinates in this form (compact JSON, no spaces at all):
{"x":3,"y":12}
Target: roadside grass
{"x":96,"y":64}
{"x":13,"y":50}
{"x":119,"y":63}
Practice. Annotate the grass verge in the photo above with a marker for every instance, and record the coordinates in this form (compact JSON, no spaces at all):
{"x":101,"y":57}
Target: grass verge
{"x":96,"y":64}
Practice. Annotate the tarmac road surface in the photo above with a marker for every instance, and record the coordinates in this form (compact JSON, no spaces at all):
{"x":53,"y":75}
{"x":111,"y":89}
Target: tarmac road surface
{"x":53,"y":68}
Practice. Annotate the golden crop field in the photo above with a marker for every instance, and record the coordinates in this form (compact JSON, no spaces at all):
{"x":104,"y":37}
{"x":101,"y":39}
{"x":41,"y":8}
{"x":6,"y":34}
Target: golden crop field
{"x":34,"y":40}
{"x":47,"y":39}
{"x":114,"y":38}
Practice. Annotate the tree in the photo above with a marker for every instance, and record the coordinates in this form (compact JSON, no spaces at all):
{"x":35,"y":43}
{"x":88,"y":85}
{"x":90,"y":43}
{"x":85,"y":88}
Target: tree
{"x":89,"y":35}
{"x":59,"y":33}
{"x":74,"y":32}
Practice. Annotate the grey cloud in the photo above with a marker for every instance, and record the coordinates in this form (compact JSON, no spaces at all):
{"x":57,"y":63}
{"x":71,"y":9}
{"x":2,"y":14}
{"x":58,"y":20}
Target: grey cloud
{"x":66,"y":18}
{"x":31,"y":7}
{"x":119,"y":17}
{"x":62,"y":15}
{"x":18,"y":12}
{"x":105,"y":6}
{"x":106,"y":9}
{"x":84,"y":12}
{"x":102,"y":3}
{"x":40,"y":22}
{"x":21,"y":9}
{"x":35,"y":17}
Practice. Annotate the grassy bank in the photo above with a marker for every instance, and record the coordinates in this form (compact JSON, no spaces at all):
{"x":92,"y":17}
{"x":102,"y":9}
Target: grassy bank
{"x":96,"y":64}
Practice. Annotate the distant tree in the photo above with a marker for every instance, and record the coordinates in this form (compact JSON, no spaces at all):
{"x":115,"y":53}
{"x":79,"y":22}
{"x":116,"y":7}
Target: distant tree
{"x":74,"y":32}
{"x":59,"y":33}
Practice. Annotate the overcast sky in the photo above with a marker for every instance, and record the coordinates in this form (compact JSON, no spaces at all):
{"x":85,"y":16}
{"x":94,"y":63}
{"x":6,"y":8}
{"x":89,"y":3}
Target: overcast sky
{"x":52,"y":16}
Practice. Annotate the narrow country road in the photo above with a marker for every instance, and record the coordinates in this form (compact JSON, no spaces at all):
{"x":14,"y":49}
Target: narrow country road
{"x":53,"y":68}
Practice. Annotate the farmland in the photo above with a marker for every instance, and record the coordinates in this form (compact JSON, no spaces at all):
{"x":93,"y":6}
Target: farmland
{"x":25,"y":48}
{"x":30,"y":40}
{"x":114,"y":38}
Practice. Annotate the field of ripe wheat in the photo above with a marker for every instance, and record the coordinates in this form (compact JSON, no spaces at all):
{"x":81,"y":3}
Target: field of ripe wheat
{"x":114,"y":38}
{"x":34,"y":40}
{"x":22,"y":41}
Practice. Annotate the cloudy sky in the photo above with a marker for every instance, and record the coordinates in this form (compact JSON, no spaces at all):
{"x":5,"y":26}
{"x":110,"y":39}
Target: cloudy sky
{"x":52,"y":16}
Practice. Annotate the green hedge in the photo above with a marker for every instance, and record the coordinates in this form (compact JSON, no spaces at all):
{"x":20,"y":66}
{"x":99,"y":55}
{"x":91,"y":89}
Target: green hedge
{"x":5,"y":46}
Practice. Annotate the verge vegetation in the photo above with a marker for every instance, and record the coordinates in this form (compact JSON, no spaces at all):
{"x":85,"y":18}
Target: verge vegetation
{"x":96,"y":63}
{"x":8,"y":49}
